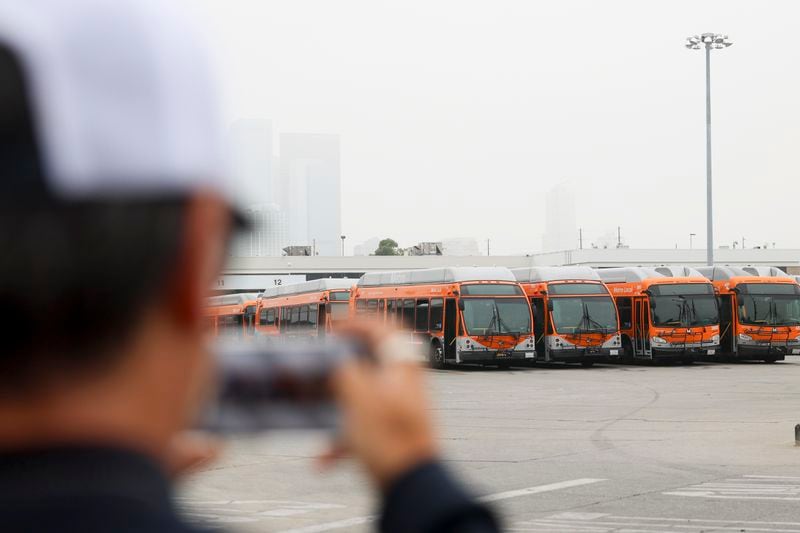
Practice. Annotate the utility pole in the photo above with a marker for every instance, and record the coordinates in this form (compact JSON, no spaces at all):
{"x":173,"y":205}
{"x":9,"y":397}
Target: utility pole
{"x":691,"y":236}
{"x":580,"y":238}
{"x":487,"y":248}
{"x":619,"y":236}
{"x":343,"y":237}
{"x":313,"y":247}
{"x":698,"y":42}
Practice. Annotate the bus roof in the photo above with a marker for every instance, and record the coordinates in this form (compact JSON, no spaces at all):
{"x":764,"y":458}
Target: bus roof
{"x":231,"y":299}
{"x":435,"y":275}
{"x":317,"y":285}
{"x":766,"y":271}
{"x":555,"y":273}
{"x":637,"y":274}
{"x":723,"y":273}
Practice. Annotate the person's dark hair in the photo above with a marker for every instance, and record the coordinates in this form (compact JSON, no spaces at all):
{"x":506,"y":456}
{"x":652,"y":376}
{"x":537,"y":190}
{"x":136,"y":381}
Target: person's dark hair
{"x":74,"y":276}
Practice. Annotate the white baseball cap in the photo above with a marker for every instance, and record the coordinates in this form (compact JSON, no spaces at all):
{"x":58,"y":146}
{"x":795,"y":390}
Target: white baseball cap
{"x":122,"y":96}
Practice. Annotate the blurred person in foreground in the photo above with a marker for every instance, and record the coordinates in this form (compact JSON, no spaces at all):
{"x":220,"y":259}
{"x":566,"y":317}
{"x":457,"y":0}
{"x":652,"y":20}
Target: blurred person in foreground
{"x":113,"y":225}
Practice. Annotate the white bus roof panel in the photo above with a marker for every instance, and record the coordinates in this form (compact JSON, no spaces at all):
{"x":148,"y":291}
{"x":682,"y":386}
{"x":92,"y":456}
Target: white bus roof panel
{"x":435,"y":275}
{"x":316,"y":285}
{"x":555,"y":273}
{"x":231,"y":299}
{"x":768,"y":271}
{"x":721,"y":273}
{"x":635,"y":274}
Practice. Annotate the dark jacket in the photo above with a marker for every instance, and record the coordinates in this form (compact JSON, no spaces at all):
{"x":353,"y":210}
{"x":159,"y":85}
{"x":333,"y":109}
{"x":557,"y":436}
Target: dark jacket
{"x":93,"y":490}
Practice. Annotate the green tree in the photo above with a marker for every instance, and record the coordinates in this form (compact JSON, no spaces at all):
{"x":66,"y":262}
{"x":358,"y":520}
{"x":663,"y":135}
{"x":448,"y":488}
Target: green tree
{"x":387,"y":247}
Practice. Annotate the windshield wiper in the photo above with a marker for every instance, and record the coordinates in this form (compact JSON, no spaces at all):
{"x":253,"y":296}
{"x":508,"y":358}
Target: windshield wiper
{"x":489,"y":331}
{"x":683,"y":312}
{"x":695,"y":321}
{"x":599,"y":328}
{"x":773,"y":313}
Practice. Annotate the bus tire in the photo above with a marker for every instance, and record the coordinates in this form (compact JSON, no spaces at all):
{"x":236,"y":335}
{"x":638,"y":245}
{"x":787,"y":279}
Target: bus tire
{"x":504,"y":365}
{"x":770,"y":360}
{"x":587,"y":364}
{"x":436,"y":356}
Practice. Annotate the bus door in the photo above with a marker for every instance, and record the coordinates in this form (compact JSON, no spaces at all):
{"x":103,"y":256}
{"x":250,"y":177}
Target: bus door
{"x":323,"y":324}
{"x":540,"y":319}
{"x":726,"y":323}
{"x":250,"y":320}
{"x":450,"y":328}
{"x":640,"y":326}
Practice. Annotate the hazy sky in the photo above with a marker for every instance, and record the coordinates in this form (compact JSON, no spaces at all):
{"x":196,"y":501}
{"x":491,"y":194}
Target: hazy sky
{"x":456,"y":117}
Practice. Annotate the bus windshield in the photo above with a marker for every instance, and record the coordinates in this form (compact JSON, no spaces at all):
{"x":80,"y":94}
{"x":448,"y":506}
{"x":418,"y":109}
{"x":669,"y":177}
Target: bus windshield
{"x":769,"y":309}
{"x":339,"y":311}
{"x":684,"y":311}
{"x":589,"y":314}
{"x":496,"y":316}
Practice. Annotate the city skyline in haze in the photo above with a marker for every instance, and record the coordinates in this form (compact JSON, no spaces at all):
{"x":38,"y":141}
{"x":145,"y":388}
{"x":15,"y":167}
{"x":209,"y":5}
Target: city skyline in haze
{"x":456,"y":118}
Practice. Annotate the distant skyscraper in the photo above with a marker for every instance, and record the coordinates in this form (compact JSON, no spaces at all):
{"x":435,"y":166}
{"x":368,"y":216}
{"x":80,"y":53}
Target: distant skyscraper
{"x":560,"y":226}
{"x":251,"y":152}
{"x":267,"y":234}
{"x":309,"y":190}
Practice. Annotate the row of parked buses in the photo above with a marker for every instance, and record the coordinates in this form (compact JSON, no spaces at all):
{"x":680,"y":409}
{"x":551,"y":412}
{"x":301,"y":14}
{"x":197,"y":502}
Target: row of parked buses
{"x":542,"y":314}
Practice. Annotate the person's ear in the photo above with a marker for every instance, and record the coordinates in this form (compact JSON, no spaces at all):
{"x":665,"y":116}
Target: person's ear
{"x":206,"y":228}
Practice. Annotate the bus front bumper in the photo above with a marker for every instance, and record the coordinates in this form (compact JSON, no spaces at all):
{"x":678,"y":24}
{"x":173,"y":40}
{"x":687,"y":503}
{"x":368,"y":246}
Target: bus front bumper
{"x":679,"y":351}
{"x":759,"y":351}
{"x":495,"y":357}
{"x":583,"y":354}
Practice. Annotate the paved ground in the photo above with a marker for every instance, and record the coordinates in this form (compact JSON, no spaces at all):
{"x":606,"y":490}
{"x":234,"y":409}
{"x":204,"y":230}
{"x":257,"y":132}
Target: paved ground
{"x":617,"y":448}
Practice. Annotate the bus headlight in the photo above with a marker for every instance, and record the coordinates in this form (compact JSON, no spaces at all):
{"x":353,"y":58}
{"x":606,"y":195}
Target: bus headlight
{"x":715,"y":339}
{"x":745,"y":338}
{"x":796,"y":339}
{"x":658,"y":340}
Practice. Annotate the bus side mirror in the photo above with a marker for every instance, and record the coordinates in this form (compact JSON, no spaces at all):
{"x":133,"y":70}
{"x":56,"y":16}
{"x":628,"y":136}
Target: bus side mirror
{"x":461,"y":305}
{"x":550,"y":305}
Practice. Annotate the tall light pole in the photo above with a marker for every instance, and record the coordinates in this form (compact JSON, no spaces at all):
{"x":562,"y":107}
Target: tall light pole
{"x":708,"y":41}
{"x":343,"y":237}
{"x":691,"y":238}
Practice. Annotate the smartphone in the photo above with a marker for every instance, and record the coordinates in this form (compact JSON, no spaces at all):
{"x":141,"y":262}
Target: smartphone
{"x":280,"y":384}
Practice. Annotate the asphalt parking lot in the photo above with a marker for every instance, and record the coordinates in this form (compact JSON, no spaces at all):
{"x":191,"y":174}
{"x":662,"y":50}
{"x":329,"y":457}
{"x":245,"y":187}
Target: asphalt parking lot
{"x":705,"y":447}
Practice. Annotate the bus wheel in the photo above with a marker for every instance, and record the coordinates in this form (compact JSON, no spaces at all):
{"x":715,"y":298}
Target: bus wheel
{"x":688,"y":361}
{"x":436,"y":357}
{"x":587,"y":364}
{"x":505,"y":365}
{"x":770,"y":360}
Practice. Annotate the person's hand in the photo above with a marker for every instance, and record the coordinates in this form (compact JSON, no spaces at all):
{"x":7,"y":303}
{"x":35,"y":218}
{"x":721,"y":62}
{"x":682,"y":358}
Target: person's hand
{"x":386,"y":423}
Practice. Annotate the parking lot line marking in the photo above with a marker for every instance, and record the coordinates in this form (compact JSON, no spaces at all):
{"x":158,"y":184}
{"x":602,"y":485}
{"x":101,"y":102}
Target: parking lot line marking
{"x":617,"y":525}
{"x":359,"y":520}
{"x":539,"y":489}
{"x":606,"y":523}
{"x":710,"y":521}
{"x":329,"y":526}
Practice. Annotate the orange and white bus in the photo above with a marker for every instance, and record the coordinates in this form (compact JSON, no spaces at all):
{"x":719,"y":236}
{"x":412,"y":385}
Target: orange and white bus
{"x":759,"y":312}
{"x":575,"y":319}
{"x":665,"y":312}
{"x":231,"y":315}
{"x":310,"y":308}
{"x":460,"y":314}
